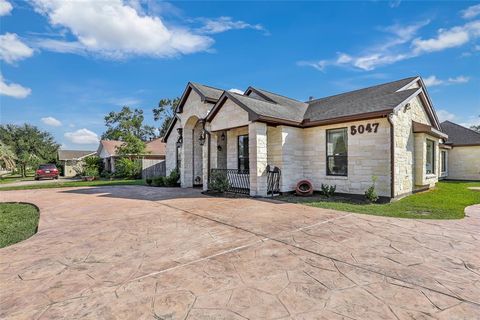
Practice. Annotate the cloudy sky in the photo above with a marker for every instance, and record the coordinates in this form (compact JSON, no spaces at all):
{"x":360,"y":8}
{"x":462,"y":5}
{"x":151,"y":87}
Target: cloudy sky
{"x":65,"y":64}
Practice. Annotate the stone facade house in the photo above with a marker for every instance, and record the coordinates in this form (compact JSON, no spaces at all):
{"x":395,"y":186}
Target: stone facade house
{"x":107,"y":150}
{"x":72,"y":161}
{"x":389,"y":131}
{"x":460,"y":155}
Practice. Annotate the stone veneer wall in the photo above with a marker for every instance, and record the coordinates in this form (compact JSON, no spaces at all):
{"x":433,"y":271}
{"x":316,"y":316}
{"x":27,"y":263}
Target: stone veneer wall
{"x":171,"y":149}
{"x":410,"y":149}
{"x":232,"y":146}
{"x":368,"y":156}
{"x":464,"y":163}
{"x":229,"y":116}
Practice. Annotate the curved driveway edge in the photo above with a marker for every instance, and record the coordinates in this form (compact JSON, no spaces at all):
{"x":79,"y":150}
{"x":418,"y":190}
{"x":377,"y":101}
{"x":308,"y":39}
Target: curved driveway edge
{"x":133,"y":252}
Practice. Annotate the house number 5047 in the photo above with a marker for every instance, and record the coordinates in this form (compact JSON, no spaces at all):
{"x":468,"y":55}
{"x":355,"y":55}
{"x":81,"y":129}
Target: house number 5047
{"x":369,"y":127}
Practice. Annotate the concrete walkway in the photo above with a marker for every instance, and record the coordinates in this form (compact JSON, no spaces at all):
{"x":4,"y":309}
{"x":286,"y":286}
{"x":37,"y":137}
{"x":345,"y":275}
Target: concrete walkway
{"x":132,"y":252}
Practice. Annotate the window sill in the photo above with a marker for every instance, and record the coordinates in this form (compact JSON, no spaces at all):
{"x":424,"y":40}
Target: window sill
{"x":336,"y":178}
{"x":431,"y":176}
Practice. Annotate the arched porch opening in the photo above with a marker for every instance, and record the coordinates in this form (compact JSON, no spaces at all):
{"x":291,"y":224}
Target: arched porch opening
{"x":191,"y":173}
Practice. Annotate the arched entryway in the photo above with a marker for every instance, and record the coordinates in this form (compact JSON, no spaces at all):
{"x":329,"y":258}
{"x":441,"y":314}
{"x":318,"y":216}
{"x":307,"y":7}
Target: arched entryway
{"x":192,"y":153}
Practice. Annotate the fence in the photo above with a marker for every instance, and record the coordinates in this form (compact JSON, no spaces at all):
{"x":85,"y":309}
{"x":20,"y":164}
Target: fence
{"x":238,"y":180}
{"x":153,"y":168}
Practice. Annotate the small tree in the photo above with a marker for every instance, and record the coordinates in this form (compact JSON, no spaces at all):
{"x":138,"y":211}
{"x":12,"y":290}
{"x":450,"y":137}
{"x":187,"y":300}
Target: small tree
{"x":131,"y":146}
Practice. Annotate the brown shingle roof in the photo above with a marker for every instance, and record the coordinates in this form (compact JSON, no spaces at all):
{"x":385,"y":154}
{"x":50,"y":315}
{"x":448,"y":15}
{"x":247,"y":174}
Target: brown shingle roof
{"x":73,"y":154}
{"x":459,"y":135}
{"x":154,"y":147}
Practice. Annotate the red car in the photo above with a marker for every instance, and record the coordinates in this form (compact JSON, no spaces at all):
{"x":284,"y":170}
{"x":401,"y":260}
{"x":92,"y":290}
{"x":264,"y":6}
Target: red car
{"x":46,"y":171}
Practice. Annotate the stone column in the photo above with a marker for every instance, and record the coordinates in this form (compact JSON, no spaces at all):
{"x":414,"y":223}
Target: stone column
{"x":186,"y":177}
{"x":257,"y":141}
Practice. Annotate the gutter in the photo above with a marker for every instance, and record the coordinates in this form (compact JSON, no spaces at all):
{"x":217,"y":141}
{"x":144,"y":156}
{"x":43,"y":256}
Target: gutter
{"x":392,"y":156}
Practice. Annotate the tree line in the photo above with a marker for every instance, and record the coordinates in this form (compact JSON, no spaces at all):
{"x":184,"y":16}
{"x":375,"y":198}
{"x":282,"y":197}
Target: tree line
{"x":23,"y":147}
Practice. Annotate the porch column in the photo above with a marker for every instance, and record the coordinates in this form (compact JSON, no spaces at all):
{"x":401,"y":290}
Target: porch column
{"x":257,"y":149}
{"x":186,"y":176}
{"x":213,"y":158}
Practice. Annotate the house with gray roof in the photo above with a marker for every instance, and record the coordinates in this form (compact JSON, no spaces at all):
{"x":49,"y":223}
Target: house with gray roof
{"x":73,"y":160}
{"x":460,"y":155}
{"x":264,"y":142}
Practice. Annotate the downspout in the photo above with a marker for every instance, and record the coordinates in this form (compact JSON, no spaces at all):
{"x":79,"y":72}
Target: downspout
{"x":392,"y":156}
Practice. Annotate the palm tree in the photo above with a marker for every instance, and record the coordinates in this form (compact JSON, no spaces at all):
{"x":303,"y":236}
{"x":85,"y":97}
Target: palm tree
{"x":7,"y":157}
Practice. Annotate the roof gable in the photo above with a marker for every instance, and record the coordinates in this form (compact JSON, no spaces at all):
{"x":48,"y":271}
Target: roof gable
{"x":206,"y":93}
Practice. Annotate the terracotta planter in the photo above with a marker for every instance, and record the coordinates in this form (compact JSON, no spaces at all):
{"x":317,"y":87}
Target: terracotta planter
{"x":304,"y":188}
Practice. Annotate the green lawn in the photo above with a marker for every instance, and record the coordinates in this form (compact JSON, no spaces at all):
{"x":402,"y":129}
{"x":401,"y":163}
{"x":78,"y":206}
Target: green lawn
{"x":15,"y":178}
{"x":18,"y":221}
{"x":65,"y":184}
{"x":446,"y":201}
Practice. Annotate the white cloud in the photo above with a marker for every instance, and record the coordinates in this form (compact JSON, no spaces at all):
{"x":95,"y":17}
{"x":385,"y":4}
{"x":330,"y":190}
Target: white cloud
{"x":13,"y":90}
{"x":115,"y":30}
{"x":12,"y":49}
{"x":471,"y":12}
{"x":444,"y":115}
{"x":5,"y":7}
{"x":377,"y":55}
{"x":51,"y":121}
{"x":223,"y":24}
{"x":402,"y":45}
{"x":459,"y":79}
{"x":236,"y":91}
{"x":448,"y":38}
{"x":82,"y":136}
{"x":432,"y":81}
{"x":471,"y":121}
{"x":319,"y":65}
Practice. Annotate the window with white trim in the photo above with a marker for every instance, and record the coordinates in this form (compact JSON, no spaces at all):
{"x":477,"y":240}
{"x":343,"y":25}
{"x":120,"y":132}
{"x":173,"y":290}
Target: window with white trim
{"x":430,"y":161}
{"x":337,"y":152}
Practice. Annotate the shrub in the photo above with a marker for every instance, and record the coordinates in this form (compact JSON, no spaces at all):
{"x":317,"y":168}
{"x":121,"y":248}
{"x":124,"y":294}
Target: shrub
{"x":128,"y":168}
{"x":149,"y":181}
{"x":158,"y":182}
{"x":172,"y":179}
{"x":371,"y":195}
{"x":328,"y":190}
{"x":91,"y":172}
{"x":219,"y":181}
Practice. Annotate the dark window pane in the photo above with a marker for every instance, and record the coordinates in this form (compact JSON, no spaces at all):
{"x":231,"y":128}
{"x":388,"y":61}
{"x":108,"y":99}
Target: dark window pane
{"x":337,"y":152}
{"x":243,"y":156}
{"x":337,"y":165}
{"x":430,"y":163}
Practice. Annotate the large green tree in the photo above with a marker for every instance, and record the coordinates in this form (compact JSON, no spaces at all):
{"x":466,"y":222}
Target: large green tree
{"x":30,"y":145}
{"x":125,"y":123}
{"x":164,"y":113}
{"x":7,"y":157}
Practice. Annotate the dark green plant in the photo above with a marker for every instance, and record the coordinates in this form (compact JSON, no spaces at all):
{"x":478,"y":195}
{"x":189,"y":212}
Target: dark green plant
{"x":91,"y":172}
{"x":158,"y":182}
{"x":371,"y":195}
{"x":148,"y":181}
{"x":128,"y":168}
{"x":125,"y":123}
{"x":328,"y":190}
{"x":219,"y":181}
{"x":172,"y":179}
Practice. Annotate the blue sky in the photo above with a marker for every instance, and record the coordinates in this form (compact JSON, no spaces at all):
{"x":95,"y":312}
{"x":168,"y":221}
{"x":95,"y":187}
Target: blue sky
{"x":65,"y":64}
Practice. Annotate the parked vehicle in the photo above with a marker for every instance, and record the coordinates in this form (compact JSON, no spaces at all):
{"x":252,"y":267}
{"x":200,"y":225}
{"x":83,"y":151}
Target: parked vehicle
{"x":46,"y":171}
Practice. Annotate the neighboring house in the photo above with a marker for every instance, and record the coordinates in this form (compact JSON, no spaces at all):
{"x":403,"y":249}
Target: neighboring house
{"x":389,"y":131}
{"x":72,"y":161}
{"x":460,"y":158}
{"x":107,"y":150}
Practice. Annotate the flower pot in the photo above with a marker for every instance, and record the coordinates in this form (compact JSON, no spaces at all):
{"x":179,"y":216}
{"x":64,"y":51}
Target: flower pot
{"x":304,"y":188}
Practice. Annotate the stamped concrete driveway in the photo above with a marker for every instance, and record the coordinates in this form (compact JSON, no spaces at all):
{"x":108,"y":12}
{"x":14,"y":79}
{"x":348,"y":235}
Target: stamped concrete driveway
{"x":152,"y":253}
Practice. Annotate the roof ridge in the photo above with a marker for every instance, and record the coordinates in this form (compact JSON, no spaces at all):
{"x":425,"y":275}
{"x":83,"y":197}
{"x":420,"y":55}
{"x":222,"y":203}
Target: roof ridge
{"x":280,"y":95}
{"x":249,"y":97}
{"x":198,"y":83}
{"x":370,"y":87}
